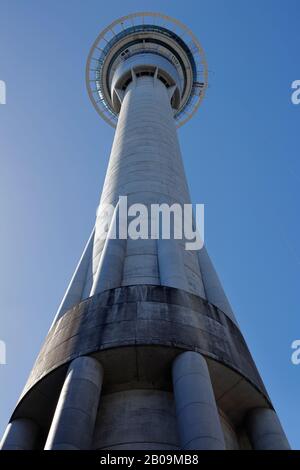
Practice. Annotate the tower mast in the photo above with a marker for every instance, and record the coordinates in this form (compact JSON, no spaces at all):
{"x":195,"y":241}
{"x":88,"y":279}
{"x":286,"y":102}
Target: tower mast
{"x":145,"y":351}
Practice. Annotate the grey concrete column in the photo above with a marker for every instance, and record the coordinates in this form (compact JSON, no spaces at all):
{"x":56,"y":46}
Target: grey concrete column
{"x":109,"y":272}
{"x":146,"y":166}
{"x":213,"y":288}
{"x":74,"y":418}
{"x":198,"y":419}
{"x":20,"y":434}
{"x":171,"y":265}
{"x":75,"y":289}
{"x":265,"y":431}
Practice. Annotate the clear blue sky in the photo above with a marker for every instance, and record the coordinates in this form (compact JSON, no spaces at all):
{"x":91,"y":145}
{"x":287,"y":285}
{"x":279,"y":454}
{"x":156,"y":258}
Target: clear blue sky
{"x":241,"y":153}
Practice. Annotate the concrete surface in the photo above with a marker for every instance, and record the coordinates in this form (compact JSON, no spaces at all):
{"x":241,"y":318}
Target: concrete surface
{"x":198,"y":419}
{"x":20,"y":434}
{"x":265,"y":431}
{"x":75,"y":414}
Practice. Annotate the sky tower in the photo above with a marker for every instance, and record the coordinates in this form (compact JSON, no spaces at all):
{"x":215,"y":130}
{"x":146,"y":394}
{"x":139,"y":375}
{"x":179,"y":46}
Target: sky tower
{"x":144,"y":351}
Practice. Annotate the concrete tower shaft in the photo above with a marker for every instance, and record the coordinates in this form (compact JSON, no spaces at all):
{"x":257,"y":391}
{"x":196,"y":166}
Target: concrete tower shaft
{"x":145,"y":140}
{"x":145,"y":351}
{"x":146,"y":166}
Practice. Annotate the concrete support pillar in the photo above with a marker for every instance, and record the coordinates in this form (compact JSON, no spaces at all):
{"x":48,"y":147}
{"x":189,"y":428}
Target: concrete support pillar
{"x":265,"y":431}
{"x":109,"y":273}
{"x":212,"y":285}
{"x":77,"y":283}
{"x":74,"y":418}
{"x":20,"y":434}
{"x":171,"y":265}
{"x":198,"y":419}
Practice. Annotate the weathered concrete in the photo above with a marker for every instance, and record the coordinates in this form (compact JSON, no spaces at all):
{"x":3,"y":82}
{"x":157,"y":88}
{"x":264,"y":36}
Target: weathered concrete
{"x":229,"y":433}
{"x":140,"y":315}
{"x":198,"y":420}
{"x":74,"y":418}
{"x":136,"y":419}
{"x":20,"y":434}
{"x":265,"y":431}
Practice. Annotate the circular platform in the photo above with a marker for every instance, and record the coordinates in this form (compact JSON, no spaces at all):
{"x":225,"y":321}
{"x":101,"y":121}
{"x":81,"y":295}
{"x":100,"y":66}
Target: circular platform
{"x":153,"y":34}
